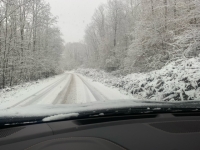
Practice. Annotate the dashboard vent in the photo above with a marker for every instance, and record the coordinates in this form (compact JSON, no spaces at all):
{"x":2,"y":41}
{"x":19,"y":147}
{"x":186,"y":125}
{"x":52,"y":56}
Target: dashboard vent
{"x":178,"y":127}
{"x":112,"y":118}
{"x":10,"y":131}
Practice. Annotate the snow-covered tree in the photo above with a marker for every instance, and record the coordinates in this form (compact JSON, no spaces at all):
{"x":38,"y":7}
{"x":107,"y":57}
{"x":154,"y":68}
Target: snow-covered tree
{"x":142,"y":35}
{"x":30,"y":44}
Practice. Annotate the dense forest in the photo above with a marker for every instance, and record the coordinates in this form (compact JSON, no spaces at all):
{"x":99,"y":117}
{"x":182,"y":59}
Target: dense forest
{"x":131,"y":36}
{"x":30,"y":43}
{"x":123,"y":37}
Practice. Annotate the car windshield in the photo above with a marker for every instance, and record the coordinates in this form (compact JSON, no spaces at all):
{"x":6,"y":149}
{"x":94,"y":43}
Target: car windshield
{"x":63,"y":57}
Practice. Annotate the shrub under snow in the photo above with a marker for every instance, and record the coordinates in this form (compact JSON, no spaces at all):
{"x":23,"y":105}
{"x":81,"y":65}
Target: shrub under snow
{"x":178,"y":81}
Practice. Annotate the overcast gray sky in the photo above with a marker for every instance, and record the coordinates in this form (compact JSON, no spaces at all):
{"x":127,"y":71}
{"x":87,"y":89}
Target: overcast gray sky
{"x":73,"y":16}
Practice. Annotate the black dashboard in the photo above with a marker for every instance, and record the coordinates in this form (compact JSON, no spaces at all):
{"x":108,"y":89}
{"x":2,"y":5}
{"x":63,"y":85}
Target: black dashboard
{"x":144,"y":132}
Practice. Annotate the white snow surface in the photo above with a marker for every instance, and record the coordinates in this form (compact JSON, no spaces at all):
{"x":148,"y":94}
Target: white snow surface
{"x":68,"y":88}
{"x":177,"y":81}
{"x":109,"y":92}
{"x":12,"y":95}
{"x":60,"y":116}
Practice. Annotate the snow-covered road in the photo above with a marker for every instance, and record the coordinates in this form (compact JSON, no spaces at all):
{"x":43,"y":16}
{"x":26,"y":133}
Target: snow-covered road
{"x":68,"y":88}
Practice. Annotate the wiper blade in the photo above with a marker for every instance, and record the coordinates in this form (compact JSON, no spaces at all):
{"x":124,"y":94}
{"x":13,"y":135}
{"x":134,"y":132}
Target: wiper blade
{"x":19,"y":121}
{"x":136,"y":110}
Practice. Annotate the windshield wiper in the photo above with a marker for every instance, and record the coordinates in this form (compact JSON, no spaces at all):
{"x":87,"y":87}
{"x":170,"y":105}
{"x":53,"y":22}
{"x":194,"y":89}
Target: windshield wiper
{"x":19,"y":121}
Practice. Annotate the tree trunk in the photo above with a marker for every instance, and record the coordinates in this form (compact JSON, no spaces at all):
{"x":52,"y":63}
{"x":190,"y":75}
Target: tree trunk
{"x":152,"y":7}
{"x":165,"y":3}
{"x":5,"y":50}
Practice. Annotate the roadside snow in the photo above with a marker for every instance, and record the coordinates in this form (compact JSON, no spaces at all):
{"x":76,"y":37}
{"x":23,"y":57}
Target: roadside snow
{"x":178,"y":81}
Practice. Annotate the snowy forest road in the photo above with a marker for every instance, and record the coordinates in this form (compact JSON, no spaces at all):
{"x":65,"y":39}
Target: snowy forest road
{"x":70,"y":88}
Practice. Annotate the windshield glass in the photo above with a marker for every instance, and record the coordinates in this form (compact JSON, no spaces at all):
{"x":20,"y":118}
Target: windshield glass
{"x":58,"y":56}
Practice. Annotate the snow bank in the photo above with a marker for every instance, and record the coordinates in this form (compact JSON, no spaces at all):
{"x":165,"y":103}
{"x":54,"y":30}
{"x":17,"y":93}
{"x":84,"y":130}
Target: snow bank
{"x":178,"y":81}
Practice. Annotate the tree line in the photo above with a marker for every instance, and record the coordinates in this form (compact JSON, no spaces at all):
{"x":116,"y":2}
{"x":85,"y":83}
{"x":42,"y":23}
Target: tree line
{"x":30,"y":43}
{"x":140,"y":35}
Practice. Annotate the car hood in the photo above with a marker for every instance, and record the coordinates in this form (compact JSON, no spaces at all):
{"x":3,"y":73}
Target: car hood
{"x":50,"y":110}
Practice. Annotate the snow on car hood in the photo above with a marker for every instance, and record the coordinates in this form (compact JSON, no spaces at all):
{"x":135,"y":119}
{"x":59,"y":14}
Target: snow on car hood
{"x":60,"y":117}
{"x":51,"y":110}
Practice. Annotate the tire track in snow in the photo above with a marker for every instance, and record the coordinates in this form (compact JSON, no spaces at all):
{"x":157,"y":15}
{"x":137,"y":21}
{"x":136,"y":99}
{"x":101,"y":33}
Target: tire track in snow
{"x":61,"y":96}
{"x":71,"y":94}
{"x":76,"y":92}
{"x":98,"y":96}
{"x":38,"y":95}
